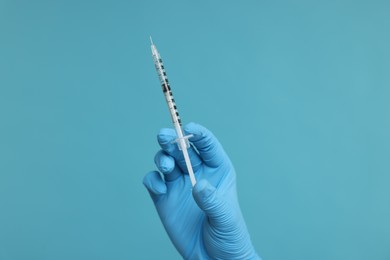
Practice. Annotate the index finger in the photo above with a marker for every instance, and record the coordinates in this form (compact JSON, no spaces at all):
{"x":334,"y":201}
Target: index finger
{"x":208,"y":146}
{"x":166,"y":138}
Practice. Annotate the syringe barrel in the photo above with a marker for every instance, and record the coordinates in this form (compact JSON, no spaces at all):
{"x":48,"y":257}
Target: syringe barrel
{"x":162,"y":75}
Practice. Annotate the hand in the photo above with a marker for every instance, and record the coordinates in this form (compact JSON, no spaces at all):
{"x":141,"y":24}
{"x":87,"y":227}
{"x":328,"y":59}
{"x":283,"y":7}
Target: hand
{"x":204,"y":222}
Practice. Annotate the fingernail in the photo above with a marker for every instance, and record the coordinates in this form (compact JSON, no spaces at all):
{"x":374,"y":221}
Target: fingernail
{"x":204,"y":189}
{"x":189,"y":128}
{"x":165,"y":167}
{"x":165,"y":135}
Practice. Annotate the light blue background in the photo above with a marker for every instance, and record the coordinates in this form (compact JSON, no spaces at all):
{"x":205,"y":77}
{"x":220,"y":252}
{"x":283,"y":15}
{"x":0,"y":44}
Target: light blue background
{"x":298,"y":92}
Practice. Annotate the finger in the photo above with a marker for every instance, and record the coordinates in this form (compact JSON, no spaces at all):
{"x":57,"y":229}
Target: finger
{"x":226,"y":223}
{"x":166,"y":164}
{"x":155,"y":185}
{"x":206,"y":143}
{"x":212,"y":204}
{"x":166,"y":138}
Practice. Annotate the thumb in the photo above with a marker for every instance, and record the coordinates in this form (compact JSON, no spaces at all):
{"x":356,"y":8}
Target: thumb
{"x":212,"y":204}
{"x":228,"y":236}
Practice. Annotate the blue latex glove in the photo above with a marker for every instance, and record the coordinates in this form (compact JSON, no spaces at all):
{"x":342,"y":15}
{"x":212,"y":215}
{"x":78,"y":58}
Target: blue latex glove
{"x":204,"y":222}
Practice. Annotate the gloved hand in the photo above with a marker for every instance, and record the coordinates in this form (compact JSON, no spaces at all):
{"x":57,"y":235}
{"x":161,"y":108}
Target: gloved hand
{"x":204,"y":222}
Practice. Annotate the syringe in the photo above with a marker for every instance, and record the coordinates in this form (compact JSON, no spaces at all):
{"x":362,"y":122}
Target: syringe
{"x":182,"y":141}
